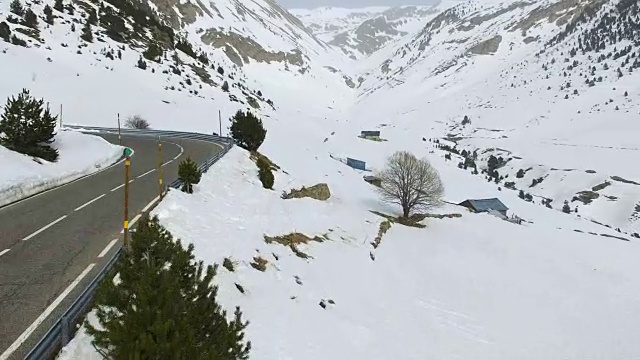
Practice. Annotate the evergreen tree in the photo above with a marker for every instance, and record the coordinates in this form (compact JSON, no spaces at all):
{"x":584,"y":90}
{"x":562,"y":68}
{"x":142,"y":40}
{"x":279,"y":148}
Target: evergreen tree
{"x":247,"y":130}
{"x":5,"y":31}
{"x":93,"y":17}
{"x":264,"y":173}
{"x":30,"y":19}
{"x":87,"y":34}
{"x":142,"y":64}
{"x":48,"y":14}
{"x":220,"y":70}
{"x":16,"y":7}
{"x":73,"y":27}
{"x":492,"y":163}
{"x":566,"y":208}
{"x":225,"y":86}
{"x":521,"y":194}
{"x":203,"y":58}
{"x":27,"y":127}
{"x":188,"y":174}
{"x":153,"y":52}
{"x":58,"y":5}
{"x":165,"y":305}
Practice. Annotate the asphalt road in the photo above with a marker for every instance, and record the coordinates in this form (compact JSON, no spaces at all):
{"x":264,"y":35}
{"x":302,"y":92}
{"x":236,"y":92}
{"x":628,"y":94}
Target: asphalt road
{"x":53,"y":244}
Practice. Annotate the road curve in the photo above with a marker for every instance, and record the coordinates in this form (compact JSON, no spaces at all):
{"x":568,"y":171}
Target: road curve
{"x":53,"y":244}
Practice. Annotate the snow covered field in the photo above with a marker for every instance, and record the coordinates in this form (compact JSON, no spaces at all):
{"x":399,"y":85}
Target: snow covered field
{"x":80,"y":155}
{"x":471,"y":287}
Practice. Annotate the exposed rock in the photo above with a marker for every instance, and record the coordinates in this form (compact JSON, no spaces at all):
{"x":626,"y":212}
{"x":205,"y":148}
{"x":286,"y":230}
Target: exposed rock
{"x":486,"y":47}
{"x":475,"y":21}
{"x":240,"y":49}
{"x":318,"y":192}
{"x":253,"y":102}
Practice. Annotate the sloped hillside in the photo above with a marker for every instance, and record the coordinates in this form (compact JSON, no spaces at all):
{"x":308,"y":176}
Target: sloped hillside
{"x":189,"y":60}
{"x":549,"y":87}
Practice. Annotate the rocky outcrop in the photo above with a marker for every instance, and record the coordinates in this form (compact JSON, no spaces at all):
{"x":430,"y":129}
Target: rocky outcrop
{"x":318,"y":192}
{"x":241,"y":49}
{"x":486,"y":47}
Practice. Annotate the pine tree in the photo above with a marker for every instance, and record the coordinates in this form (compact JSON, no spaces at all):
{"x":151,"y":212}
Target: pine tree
{"x":165,"y":305}
{"x":16,"y":7}
{"x":566,"y":208}
{"x":521,"y":194}
{"x":58,"y":5}
{"x":142,"y":64}
{"x":48,"y":14}
{"x":264,"y":173}
{"x":153,"y":52}
{"x":93,"y":17}
{"x":188,"y":174}
{"x":5,"y":31}
{"x":247,"y":130}
{"x":220,"y":70}
{"x":30,"y":19}
{"x":27,"y":127}
{"x":87,"y":34}
{"x":225,"y":86}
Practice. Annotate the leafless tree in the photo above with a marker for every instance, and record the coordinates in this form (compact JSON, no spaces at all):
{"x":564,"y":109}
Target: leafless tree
{"x":410,"y":182}
{"x":136,"y":122}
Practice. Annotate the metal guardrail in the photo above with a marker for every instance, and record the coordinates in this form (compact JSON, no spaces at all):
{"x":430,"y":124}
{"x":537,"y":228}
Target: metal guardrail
{"x":59,"y":334}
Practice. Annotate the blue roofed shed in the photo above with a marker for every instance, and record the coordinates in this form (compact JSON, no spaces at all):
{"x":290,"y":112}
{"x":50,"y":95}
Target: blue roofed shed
{"x":485,"y":205}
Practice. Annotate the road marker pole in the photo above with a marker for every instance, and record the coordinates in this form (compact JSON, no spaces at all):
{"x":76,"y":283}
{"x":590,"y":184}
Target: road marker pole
{"x":220,"y":122}
{"x":119,"y":136}
{"x":127,"y":164}
{"x":160,"y":186}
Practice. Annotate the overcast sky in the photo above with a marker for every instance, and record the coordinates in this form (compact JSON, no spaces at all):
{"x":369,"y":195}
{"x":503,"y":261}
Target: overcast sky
{"x":310,"y":4}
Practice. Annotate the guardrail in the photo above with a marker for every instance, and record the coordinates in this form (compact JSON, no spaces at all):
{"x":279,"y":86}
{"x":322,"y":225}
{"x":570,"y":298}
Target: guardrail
{"x":59,"y":334}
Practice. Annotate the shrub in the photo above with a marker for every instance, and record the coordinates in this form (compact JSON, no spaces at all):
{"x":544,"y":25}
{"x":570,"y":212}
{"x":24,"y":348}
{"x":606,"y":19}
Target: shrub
{"x":27,"y":127}
{"x":136,"y":122}
{"x":165,"y":305}
{"x":247,"y":130}
{"x":264,"y":173}
{"x":188,"y":174}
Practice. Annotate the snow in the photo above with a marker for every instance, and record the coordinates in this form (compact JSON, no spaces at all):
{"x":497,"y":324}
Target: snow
{"x":474,"y":286}
{"x":79,"y":155}
{"x":471,"y":287}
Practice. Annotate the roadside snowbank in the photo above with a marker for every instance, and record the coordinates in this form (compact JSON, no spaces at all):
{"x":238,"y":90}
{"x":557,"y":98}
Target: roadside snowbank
{"x":80,"y":155}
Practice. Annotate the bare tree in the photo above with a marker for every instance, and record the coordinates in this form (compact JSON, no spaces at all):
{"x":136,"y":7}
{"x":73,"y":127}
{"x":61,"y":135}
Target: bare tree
{"x":137,"y":122}
{"x":410,"y":182}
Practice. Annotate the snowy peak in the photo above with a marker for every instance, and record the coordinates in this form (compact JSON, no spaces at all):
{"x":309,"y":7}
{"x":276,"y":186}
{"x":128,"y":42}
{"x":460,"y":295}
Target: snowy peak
{"x":361,"y":32}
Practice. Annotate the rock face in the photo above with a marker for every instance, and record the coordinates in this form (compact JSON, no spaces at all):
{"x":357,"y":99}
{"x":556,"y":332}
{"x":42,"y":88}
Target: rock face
{"x":487,"y":47}
{"x":241,"y":49}
{"x":318,"y":192}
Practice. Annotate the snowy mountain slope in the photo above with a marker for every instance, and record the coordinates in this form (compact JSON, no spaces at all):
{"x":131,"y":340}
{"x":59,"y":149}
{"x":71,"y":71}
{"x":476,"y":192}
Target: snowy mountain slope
{"x":536,"y":96}
{"x":327,"y":21}
{"x":361,"y":32}
{"x":183,"y":76}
